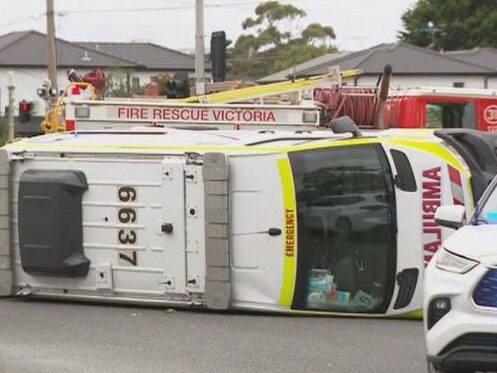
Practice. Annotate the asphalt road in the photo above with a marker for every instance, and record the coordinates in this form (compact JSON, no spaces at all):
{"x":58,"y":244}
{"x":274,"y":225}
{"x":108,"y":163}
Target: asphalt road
{"x":43,"y":337}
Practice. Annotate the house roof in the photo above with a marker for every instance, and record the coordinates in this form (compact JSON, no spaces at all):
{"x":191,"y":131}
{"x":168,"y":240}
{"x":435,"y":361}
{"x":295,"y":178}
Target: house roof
{"x":486,"y":57}
{"x":29,"y":49}
{"x":295,"y":70}
{"x":404,"y":58}
{"x":152,"y":56}
{"x":10,"y":38}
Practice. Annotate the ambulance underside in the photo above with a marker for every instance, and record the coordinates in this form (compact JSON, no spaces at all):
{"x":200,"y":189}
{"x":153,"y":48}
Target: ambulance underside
{"x":327,"y":229}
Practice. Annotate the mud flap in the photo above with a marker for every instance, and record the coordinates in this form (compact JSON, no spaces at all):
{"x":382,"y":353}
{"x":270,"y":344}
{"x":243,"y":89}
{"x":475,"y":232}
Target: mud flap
{"x":217,"y":245}
{"x":6,"y":280}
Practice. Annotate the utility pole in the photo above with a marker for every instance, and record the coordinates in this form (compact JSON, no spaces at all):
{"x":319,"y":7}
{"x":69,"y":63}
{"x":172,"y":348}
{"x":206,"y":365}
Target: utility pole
{"x":10,"y":118}
{"x":51,"y":52}
{"x":199,"y":48}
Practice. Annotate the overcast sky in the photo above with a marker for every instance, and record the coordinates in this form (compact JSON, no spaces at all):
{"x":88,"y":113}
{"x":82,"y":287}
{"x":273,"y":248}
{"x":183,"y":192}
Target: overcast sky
{"x":358,"y":24}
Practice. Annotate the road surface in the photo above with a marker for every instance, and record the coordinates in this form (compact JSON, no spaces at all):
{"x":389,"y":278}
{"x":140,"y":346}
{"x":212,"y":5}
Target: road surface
{"x":37,"y":336}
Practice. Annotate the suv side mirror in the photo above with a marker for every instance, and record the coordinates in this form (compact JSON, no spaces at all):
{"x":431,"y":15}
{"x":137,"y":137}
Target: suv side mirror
{"x":450,"y":216}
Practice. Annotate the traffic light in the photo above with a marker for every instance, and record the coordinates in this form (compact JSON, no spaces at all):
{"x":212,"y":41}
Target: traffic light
{"x":218,"y":55}
{"x":25,"y":111}
{"x":179,"y":87}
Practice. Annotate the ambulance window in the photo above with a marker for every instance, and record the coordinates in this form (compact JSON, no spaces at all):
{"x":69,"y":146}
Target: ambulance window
{"x":346,"y":229}
{"x":404,"y":179}
{"x":450,"y":115}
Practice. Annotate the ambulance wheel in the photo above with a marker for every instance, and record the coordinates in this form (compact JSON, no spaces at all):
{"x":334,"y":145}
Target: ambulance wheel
{"x":343,"y":227}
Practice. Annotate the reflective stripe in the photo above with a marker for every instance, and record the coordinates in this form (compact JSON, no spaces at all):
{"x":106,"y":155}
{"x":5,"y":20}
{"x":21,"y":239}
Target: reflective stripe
{"x":290,"y":238}
{"x":334,"y":142}
{"x":456,"y":186}
{"x":418,"y":314}
{"x":440,"y":151}
{"x":135,"y":148}
{"x":58,"y":143}
{"x":54,"y":143}
{"x":434,"y":148}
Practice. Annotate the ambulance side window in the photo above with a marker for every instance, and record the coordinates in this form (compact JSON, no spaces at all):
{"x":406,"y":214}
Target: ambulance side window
{"x":404,"y":179}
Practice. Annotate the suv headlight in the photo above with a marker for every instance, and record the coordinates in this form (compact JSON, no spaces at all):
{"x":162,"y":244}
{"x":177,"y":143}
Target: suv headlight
{"x":451,"y":262}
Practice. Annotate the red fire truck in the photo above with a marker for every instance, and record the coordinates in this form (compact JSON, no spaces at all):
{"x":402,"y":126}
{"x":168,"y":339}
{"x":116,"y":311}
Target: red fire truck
{"x":377,"y":107}
{"x":442,"y":108}
{"x":419,"y":107}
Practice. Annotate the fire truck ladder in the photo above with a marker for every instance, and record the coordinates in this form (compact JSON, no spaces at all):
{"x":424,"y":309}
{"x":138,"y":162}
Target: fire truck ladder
{"x":260,"y":91}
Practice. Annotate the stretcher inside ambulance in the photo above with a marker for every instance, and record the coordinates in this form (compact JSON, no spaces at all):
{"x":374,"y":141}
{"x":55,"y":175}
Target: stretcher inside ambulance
{"x":273,"y":221}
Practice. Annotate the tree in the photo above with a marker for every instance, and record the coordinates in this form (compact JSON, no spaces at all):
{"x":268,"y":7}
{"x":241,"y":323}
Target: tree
{"x":451,"y":24}
{"x":272,"y":42}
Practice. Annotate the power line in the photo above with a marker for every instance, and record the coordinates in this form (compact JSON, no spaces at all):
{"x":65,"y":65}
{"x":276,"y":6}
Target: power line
{"x":184,"y":7}
{"x":24,"y":19}
{"x":66,"y":12}
{"x":178,"y":7}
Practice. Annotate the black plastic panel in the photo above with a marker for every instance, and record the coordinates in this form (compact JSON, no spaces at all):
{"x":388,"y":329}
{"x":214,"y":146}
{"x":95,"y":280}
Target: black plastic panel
{"x":472,"y":340}
{"x":404,"y":179}
{"x":407,"y":280}
{"x":51,"y":223}
{"x":435,"y":313}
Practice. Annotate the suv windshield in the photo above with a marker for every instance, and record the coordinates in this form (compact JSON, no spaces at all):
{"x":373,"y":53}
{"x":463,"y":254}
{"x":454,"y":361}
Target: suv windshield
{"x":346,"y":229}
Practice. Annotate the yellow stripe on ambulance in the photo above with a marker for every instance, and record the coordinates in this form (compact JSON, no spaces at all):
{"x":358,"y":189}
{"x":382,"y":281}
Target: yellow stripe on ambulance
{"x":290,"y":234}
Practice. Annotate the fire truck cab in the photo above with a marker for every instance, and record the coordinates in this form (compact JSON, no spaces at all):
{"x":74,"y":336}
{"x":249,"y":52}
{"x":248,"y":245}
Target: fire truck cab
{"x":442,"y":108}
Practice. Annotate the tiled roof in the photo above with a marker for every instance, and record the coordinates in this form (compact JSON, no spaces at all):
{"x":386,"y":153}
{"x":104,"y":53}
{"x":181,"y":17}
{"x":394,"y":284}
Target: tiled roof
{"x":152,"y":56}
{"x":29,"y":49}
{"x":486,"y":57}
{"x":405,"y":59}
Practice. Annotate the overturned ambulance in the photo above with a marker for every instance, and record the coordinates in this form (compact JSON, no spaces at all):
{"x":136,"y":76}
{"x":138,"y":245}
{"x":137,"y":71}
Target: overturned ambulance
{"x":280,"y":221}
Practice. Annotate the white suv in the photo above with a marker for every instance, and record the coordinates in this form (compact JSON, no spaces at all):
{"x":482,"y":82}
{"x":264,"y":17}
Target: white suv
{"x":460,"y":298}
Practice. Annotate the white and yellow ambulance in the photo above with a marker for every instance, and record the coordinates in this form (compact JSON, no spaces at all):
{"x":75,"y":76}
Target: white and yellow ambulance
{"x":178,"y":213}
{"x":281,"y":221}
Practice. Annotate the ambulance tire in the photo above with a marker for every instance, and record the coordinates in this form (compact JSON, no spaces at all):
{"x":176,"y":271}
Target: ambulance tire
{"x":343,"y":227}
